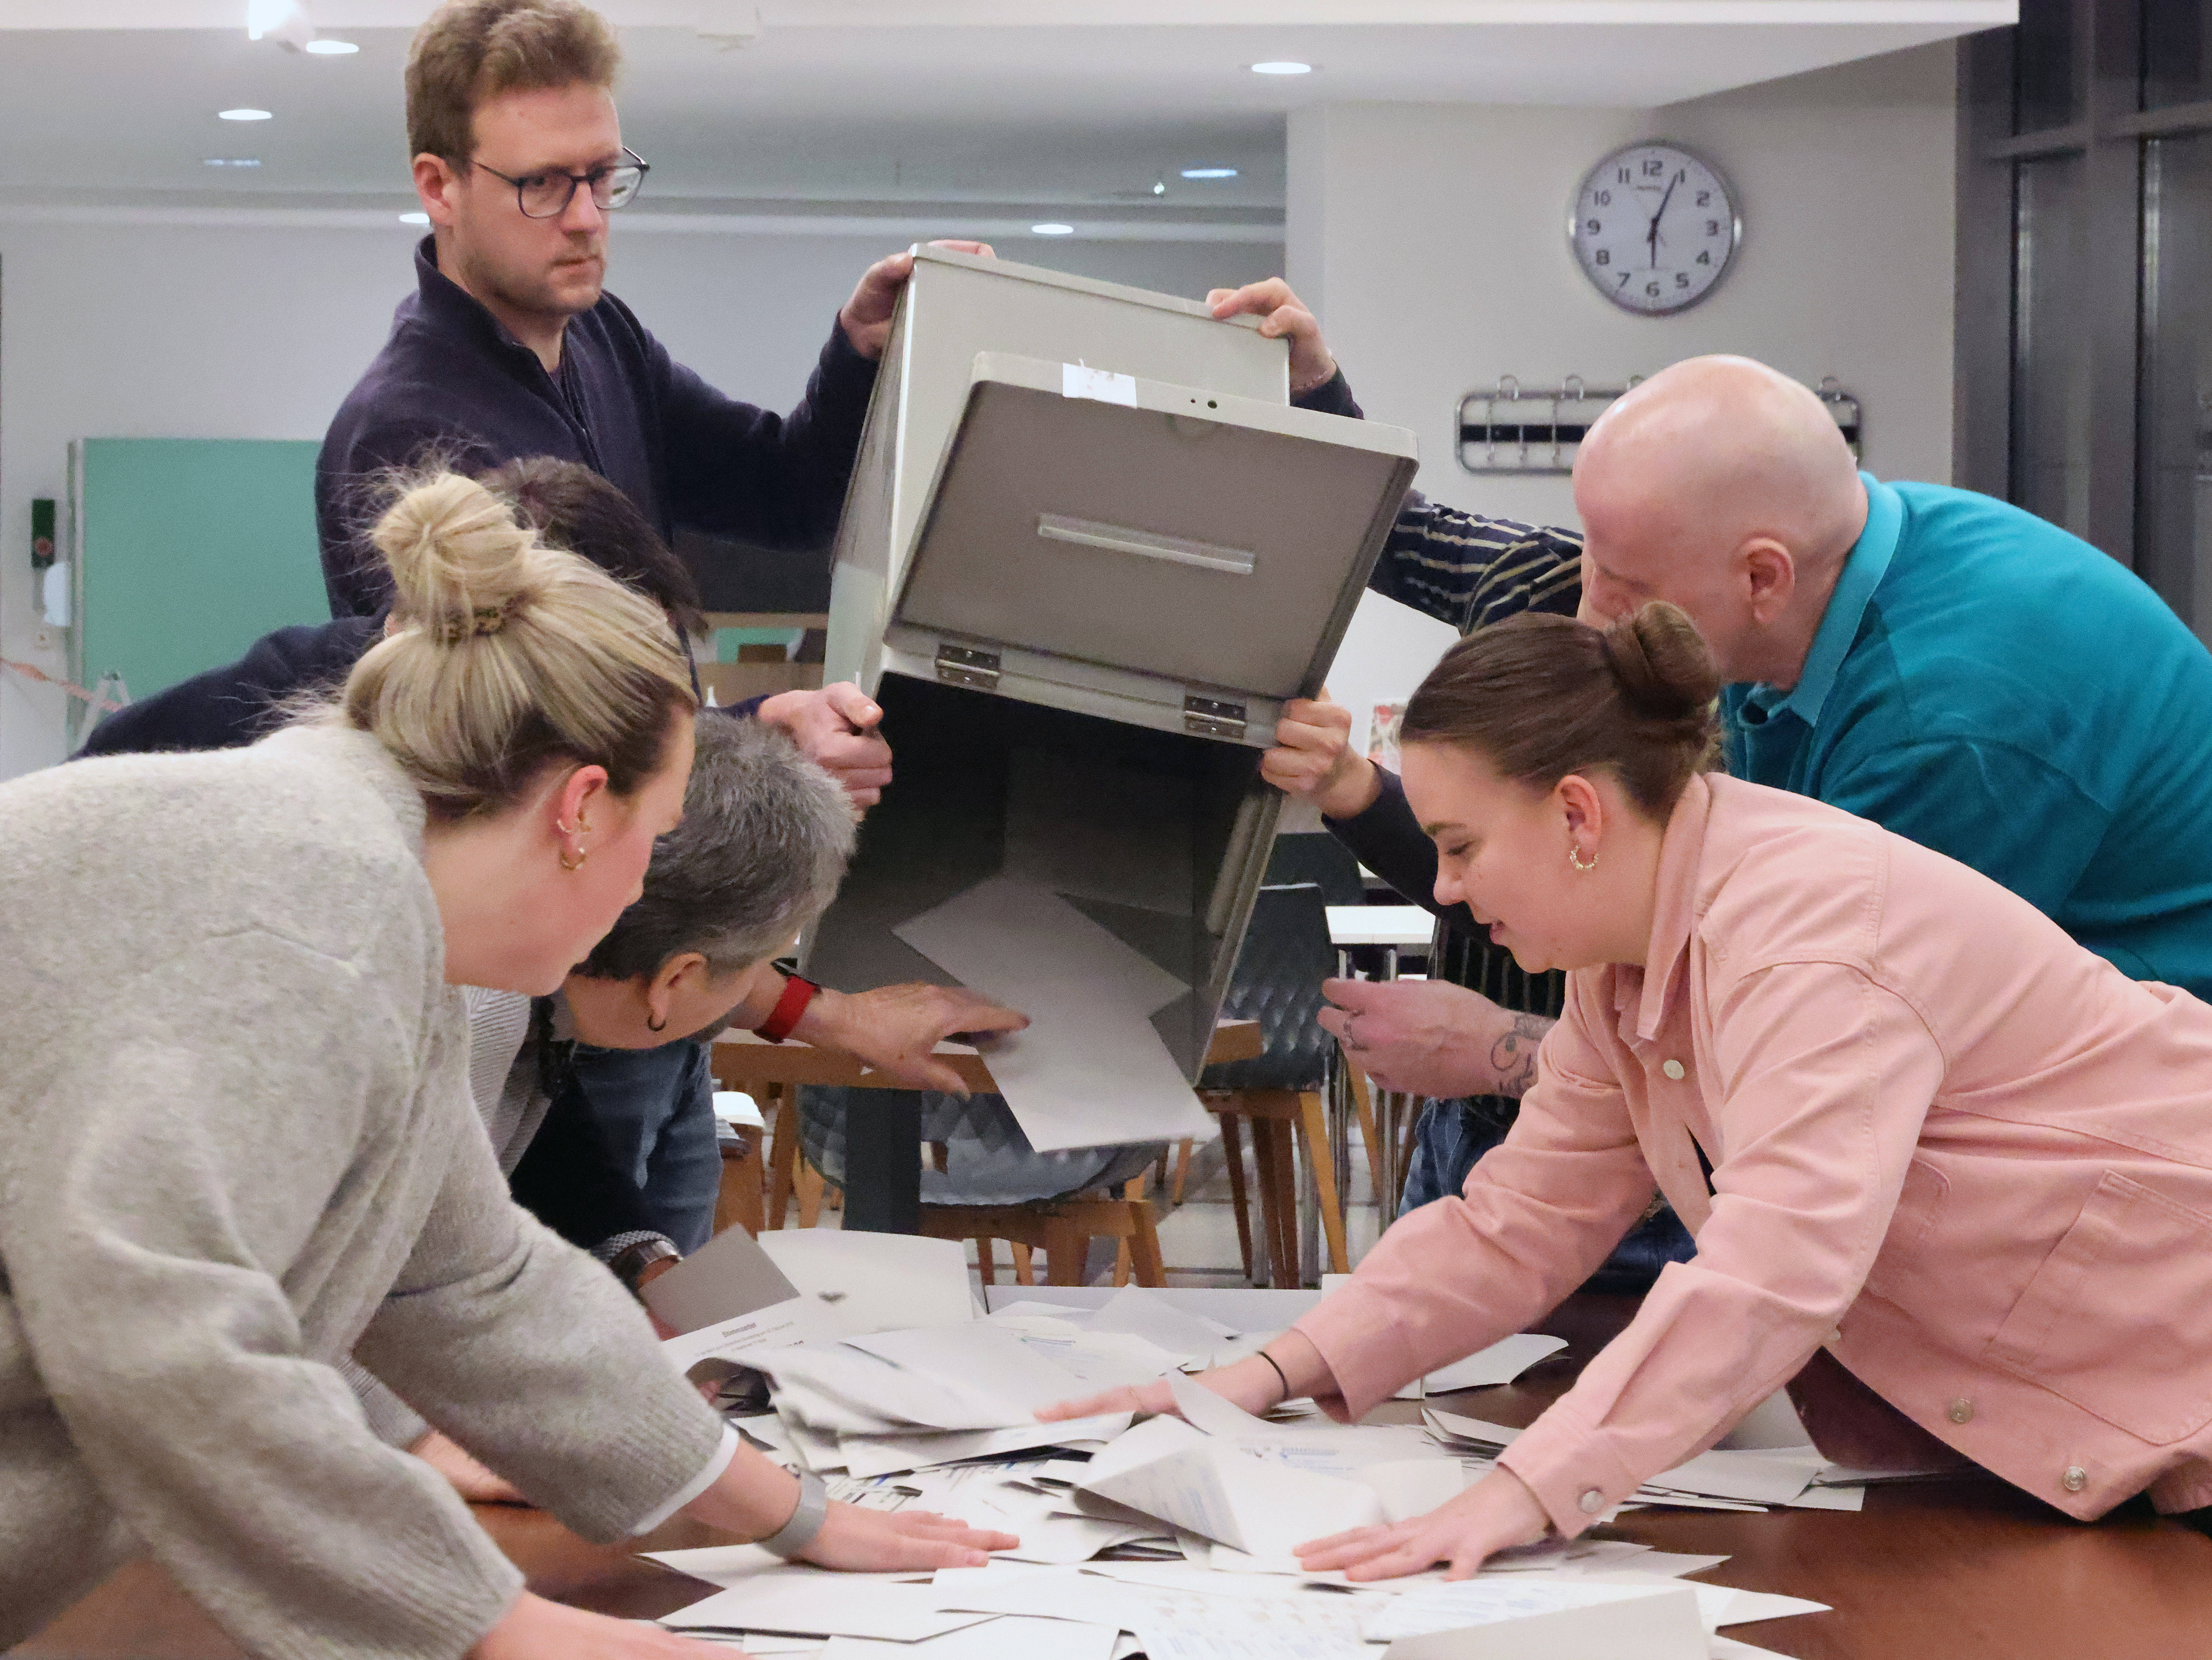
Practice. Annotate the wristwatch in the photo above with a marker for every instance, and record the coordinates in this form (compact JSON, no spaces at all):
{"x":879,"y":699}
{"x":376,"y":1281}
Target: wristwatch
{"x":806,"y":1519}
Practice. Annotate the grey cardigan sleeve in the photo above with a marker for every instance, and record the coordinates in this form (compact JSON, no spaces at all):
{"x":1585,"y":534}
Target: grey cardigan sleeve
{"x":530,"y":1356}
{"x":162,"y":1197}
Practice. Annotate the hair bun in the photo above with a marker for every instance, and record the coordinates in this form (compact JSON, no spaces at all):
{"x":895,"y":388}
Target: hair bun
{"x":1662,"y":664}
{"x":461,"y":566}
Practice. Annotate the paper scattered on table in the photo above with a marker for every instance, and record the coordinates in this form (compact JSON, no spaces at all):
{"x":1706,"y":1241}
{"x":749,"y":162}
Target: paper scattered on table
{"x":1090,"y":1069}
{"x":781,"y":1325}
{"x":1501,"y":1363}
{"x":1709,"y":1480}
{"x":876,"y":1282}
{"x":1660,"y":1623}
{"x":823,"y":1603}
{"x":1011,"y":1636}
{"x":728,"y":1277}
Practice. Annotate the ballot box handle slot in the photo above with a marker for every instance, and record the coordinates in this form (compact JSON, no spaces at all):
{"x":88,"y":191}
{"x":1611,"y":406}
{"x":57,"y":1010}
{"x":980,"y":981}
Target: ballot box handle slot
{"x":1121,"y":538}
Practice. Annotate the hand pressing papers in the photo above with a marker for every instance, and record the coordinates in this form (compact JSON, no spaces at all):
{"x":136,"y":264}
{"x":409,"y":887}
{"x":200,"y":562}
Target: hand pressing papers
{"x":1090,"y":1070}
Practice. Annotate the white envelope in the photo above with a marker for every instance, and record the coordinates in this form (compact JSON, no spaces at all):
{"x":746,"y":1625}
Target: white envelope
{"x":1166,"y":1468}
{"x":1662,"y":1625}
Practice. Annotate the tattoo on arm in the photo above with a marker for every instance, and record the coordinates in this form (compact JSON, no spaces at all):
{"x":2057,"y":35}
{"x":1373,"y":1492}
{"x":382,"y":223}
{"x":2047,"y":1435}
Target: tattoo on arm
{"x":1515,"y":1054}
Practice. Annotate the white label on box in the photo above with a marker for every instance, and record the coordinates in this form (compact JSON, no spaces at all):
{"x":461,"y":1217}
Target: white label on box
{"x":1105,"y":385}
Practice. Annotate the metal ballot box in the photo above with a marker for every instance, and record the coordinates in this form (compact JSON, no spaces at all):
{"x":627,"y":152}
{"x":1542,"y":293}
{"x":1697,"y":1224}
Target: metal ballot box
{"x":1089,"y":551}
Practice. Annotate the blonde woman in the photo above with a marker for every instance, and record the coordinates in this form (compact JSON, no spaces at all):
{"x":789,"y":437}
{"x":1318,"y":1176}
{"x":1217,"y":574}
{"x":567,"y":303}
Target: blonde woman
{"x":237,"y":1142}
{"x":1949,"y":1173}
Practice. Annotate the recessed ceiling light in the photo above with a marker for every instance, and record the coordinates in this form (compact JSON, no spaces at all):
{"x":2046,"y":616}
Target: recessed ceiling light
{"x":1282,"y":67}
{"x":414,"y":218}
{"x":322,"y":47}
{"x":243,"y":115}
{"x":1052,"y":230}
{"x":1209,"y":173}
{"x":232,"y":161}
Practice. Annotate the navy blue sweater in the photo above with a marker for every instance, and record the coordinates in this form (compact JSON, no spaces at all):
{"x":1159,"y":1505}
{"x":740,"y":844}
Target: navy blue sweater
{"x":452,"y":381}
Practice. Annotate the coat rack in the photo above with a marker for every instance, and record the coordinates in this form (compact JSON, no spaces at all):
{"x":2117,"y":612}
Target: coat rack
{"x":1511,"y":428}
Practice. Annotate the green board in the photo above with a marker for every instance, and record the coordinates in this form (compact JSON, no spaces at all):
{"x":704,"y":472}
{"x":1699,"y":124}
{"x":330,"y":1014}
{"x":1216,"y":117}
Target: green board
{"x":192,"y":549}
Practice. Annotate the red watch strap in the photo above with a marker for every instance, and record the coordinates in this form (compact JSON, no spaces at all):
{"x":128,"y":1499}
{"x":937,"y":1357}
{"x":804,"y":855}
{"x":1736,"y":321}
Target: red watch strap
{"x":797,"y":995}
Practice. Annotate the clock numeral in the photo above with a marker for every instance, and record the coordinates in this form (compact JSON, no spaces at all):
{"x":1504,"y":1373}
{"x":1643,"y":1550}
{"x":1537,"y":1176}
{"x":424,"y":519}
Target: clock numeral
{"x":1624,"y":279}
{"x":1604,"y":198}
{"x":1706,"y":258}
{"x":1592,"y":225}
{"x":1654,"y":169}
{"x":1605,"y":258}
{"x":1712,"y":228}
{"x":1651,"y":291}
{"x":1623,"y":177}
{"x":1681,"y":279}
{"x":1705,"y":198}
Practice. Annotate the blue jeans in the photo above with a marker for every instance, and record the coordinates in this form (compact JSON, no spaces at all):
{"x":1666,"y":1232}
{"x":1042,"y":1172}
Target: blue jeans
{"x":1452,"y":1135}
{"x":655,"y":1108}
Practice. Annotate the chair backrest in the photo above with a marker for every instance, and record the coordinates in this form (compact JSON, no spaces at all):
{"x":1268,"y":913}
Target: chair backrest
{"x":1316,"y":856}
{"x":1285,"y":956}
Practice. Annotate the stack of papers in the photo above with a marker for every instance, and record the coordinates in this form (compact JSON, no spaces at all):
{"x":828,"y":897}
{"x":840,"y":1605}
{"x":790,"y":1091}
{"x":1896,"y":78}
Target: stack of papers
{"x":1744,"y":1479}
{"x":1187,"y":1611}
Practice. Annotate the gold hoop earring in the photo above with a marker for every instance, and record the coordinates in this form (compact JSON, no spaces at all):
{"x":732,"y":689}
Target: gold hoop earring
{"x":582,"y":853}
{"x":581,"y":825}
{"x":1574,"y":858}
{"x":651,"y":1024}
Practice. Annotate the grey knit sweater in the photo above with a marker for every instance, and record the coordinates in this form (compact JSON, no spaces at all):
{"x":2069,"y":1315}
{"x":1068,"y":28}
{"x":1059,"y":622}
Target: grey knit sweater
{"x":236,"y":1144}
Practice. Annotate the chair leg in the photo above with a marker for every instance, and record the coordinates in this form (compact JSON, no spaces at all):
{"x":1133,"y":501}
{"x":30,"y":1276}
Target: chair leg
{"x":1271,"y":1153}
{"x":810,"y":1185}
{"x":1181,"y":1173}
{"x":1066,"y":1249}
{"x":1316,"y":1126}
{"x":1024,"y":1264}
{"x":1144,"y":1242}
{"x":986,"y":1259}
{"x":783,"y":1151}
{"x":1232,"y":1147}
{"x":1362,"y":1106}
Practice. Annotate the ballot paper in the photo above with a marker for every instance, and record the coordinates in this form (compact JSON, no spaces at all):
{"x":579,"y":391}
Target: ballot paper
{"x":1010,"y":1637}
{"x":1089,"y":1070}
{"x":876,"y":1282}
{"x":780,"y":1325}
{"x":889,"y":1455}
{"x":726,"y":1278}
{"x":1752,"y":1478}
{"x":819,"y":1602}
{"x":1509,"y":1620}
{"x":1501,"y":1363}
{"x":1168,"y":1469}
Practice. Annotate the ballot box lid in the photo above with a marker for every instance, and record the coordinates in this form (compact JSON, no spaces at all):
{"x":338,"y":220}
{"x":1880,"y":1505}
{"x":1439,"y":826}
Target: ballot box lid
{"x":1165,"y":530}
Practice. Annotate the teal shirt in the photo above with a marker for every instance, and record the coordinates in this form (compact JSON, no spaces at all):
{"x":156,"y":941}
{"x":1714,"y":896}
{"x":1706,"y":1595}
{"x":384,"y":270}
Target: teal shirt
{"x":1999,"y":690}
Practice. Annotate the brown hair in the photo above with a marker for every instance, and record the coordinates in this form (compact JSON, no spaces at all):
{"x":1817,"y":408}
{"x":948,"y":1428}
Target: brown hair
{"x":472,"y":50}
{"x":505,"y":654}
{"x":1543,"y":697}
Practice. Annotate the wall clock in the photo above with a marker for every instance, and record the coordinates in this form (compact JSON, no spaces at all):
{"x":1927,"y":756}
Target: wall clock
{"x":1654,"y":226}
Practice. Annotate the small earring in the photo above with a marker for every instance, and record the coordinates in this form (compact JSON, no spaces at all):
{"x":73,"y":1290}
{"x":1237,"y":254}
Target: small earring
{"x":1574,"y":858}
{"x":582,"y":853}
{"x":581,"y":824}
{"x":651,"y":1024}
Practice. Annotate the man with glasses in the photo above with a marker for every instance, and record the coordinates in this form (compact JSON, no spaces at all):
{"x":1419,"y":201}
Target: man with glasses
{"x":510,"y":346}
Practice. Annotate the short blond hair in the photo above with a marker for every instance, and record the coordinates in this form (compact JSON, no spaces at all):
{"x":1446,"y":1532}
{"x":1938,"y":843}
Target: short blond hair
{"x":469,"y":52}
{"x":505,"y":656}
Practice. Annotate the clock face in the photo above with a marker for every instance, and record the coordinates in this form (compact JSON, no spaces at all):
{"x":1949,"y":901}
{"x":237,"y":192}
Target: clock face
{"x":1653,"y":227}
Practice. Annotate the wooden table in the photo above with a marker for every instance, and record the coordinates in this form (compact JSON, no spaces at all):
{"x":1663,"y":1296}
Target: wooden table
{"x":1972,"y":1570}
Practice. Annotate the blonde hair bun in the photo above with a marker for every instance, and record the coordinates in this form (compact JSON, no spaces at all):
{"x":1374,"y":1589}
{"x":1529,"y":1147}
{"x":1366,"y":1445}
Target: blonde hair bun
{"x":461,"y":566}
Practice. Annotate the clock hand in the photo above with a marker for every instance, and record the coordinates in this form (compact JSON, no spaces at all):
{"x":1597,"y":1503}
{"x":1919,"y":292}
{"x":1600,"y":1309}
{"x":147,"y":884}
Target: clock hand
{"x":1651,"y":236}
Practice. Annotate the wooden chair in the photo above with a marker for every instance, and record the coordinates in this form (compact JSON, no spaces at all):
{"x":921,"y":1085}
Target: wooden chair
{"x":771,"y":1073}
{"x":1285,"y":957}
{"x":1061,"y":1228}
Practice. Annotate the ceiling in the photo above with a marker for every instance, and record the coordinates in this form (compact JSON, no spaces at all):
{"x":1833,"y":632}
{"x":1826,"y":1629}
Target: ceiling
{"x":867,"y":109}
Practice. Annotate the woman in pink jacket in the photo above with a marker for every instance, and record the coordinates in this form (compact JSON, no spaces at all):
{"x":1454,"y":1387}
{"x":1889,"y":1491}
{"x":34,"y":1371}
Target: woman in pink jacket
{"x":1960,"y":1165}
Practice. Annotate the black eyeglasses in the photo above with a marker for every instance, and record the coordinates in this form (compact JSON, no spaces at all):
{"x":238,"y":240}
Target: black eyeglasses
{"x":547,"y":195}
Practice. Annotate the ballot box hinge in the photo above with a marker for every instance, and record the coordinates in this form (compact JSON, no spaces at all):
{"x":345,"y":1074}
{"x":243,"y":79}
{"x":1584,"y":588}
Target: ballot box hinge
{"x":963,"y":665}
{"x":1212,"y":717}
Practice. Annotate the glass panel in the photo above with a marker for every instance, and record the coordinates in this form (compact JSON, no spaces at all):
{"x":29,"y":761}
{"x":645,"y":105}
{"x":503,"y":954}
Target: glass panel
{"x":2173,"y":523}
{"x":2045,"y":91}
{"x":2049,"y":346}
{"x":2176,"y":52}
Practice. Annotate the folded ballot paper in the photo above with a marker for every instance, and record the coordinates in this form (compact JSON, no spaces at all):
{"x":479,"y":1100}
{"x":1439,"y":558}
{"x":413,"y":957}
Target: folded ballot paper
{"x":1723,"y":1478}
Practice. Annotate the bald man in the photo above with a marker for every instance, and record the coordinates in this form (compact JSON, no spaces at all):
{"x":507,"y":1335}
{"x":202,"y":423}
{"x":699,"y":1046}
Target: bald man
{"x":1950,"y":666}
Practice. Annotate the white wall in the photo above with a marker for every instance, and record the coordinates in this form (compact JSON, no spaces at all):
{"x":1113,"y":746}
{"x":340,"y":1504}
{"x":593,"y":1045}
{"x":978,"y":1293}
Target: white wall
{"x":258,"y":332}
{"x":1432,"y":241}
